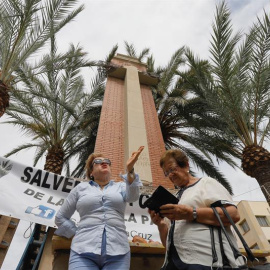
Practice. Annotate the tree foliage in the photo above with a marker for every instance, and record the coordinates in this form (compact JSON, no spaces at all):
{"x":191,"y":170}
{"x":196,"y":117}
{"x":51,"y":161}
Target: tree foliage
{"x":25,"y":26}
{"x":235,"y":83}
{"x":51,"y":106}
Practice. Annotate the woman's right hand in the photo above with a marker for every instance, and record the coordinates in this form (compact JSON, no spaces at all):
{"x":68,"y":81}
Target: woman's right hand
{"x":156,"y":218}
{"x":161,"y":224}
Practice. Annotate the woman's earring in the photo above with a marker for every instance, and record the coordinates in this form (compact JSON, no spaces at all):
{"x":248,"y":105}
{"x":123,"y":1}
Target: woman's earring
{"x":91,"y":177}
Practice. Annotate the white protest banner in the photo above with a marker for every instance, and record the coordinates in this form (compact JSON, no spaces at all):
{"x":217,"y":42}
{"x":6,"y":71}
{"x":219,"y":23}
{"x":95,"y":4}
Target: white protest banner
{"x":138,"y":221}
{"x":36,"y":195}
{"x":31,"y":194}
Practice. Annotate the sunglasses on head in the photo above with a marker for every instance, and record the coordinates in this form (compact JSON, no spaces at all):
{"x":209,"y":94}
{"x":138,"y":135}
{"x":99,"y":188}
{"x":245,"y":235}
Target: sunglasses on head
{"x":101,"y":161}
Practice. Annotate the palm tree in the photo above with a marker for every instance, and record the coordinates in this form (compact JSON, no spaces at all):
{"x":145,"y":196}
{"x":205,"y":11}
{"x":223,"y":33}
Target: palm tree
{"x":51,"y":109}
{"x":24,"y":29}
{"x":239,"y":90}
{"x":60,"y":116}
{"x":52,"y":106}
{"x":186,"y":121}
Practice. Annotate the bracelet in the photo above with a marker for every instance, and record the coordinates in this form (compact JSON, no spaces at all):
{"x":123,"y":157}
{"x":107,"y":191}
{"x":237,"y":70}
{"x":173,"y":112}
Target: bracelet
{"x":131,"y":174}
{"x":132,"y":170}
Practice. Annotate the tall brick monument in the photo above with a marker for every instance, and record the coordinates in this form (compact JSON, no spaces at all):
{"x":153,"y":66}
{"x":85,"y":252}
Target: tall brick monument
{"x":129,"y":120}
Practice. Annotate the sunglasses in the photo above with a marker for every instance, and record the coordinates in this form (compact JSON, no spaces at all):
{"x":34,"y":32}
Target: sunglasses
{"x":101,"y":161}
{"x":172,"y":170}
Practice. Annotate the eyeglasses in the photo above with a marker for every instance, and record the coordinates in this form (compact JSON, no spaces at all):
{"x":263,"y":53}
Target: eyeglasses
{"x":172,"y":170}
{"x":101,"y":161}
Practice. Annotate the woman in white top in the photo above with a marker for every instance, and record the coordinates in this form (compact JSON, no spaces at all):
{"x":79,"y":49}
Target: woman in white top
{"x":184,"y":227}
{"x":100,"y":240}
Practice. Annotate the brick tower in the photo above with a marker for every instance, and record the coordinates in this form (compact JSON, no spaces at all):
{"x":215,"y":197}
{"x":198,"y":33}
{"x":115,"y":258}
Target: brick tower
{"x":129,"y":120}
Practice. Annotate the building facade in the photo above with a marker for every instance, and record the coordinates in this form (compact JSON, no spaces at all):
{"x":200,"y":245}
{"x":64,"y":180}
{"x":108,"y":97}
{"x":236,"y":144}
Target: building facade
{"x":254,"y":225}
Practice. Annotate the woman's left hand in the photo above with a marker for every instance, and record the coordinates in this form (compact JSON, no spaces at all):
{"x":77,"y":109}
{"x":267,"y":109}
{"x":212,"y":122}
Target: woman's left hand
{"x":176,"y":211}
{"x":134,"y":157}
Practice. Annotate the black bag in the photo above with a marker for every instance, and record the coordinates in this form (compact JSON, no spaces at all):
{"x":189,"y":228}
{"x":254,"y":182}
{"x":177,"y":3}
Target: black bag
{"x":159,"y":197}
{"x":169,"y":266}
{"x":235,"y":250}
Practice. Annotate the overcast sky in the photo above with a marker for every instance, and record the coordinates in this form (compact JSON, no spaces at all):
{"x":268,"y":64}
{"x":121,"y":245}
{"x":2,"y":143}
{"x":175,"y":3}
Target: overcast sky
{"x":161,"y":25}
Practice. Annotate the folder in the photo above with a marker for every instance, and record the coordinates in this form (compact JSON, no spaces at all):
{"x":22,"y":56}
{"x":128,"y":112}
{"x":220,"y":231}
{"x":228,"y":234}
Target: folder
{"x":160,"y":197}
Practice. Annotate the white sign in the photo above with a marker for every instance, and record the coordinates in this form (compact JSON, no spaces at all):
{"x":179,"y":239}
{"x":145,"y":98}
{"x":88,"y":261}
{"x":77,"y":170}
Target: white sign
{"x":138,"y":222}
{"x":36,"y":195}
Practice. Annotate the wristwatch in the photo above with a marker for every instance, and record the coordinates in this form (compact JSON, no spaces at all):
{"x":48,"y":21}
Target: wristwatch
{"x":194,"y":213}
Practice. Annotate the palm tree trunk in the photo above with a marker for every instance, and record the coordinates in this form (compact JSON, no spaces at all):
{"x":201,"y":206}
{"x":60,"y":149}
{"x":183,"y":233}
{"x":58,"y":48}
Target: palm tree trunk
{"x":262,"y":175}
{"x":54,"y":160}
{"x":4,"y":98}
{"x":256,"y":163}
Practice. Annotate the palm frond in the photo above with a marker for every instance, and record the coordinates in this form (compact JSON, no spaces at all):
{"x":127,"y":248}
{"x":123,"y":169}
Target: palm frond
{"x":25,"y":29}
{"x":143,"y":54}
{"x":41,"y":150}
{"x":130,"y":49}
{"x":111,"y":54}
{"x":20,"y":148}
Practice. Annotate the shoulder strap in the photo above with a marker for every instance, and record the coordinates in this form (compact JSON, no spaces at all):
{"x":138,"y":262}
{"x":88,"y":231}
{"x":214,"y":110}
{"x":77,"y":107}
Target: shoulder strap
{"x":235,"y":250}
{"x":214,"y":252}
{"x":225,"y":260}
{"x":250,"y":255}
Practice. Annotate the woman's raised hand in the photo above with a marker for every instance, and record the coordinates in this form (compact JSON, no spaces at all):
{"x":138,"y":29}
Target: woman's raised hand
{"x":134,"y":157}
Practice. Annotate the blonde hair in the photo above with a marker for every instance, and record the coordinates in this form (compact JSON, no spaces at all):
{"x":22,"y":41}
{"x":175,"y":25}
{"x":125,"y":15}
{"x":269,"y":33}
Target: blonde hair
{"x":89,"y":164}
